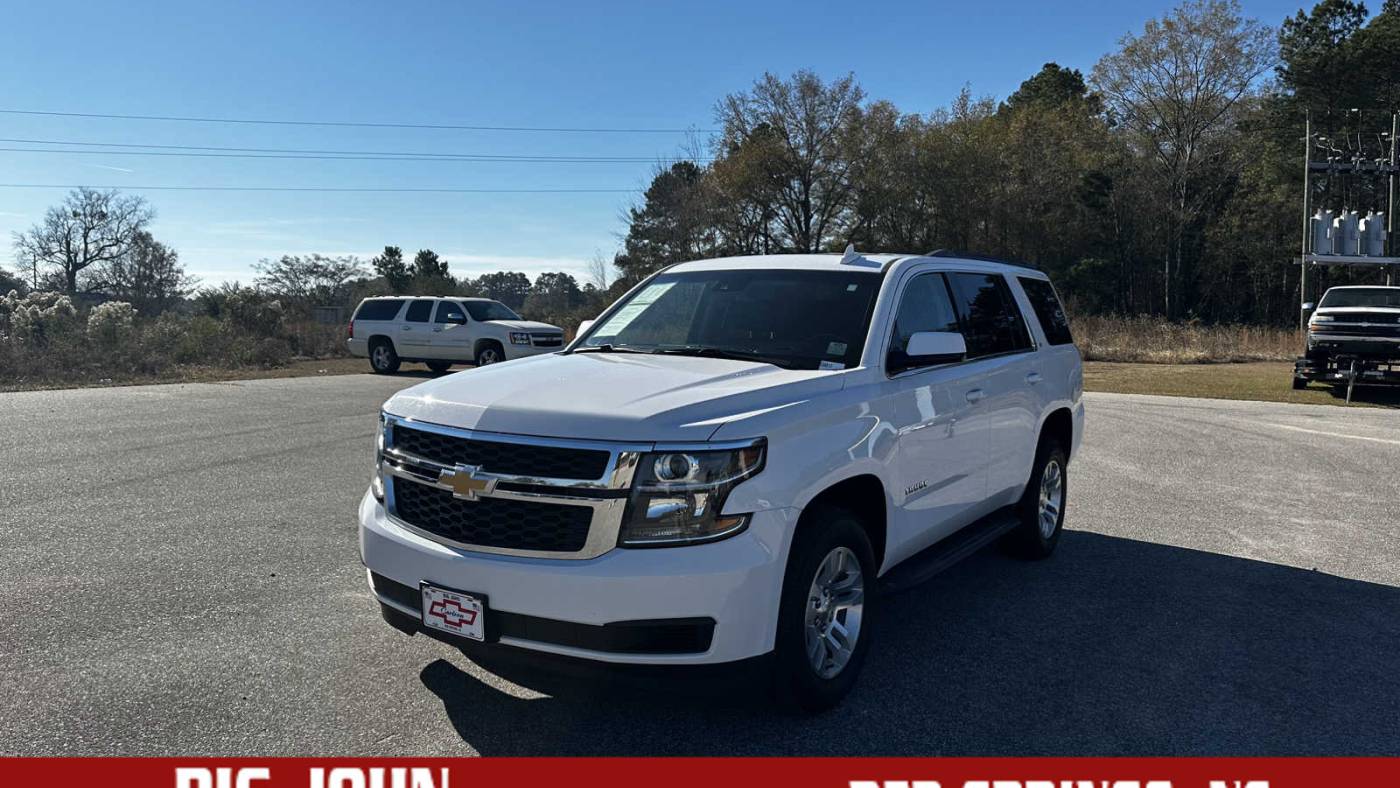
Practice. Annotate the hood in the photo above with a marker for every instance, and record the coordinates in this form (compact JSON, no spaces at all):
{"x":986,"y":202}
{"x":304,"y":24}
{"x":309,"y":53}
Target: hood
{"x":1358,"y":310}
{"x":524,"y":325}
{"x":603,"y":396}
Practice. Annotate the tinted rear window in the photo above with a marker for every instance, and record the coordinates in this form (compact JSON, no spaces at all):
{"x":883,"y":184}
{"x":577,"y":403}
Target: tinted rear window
{"x":379,"y":309}
{"x":418,"y":311}
{"x":991,"y":321}
{"x":1048,"y":311}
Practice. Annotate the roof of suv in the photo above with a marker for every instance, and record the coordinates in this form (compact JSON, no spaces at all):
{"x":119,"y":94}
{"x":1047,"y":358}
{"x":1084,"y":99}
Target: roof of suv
{"x":874,"y":262}
{"x":431,"y":297}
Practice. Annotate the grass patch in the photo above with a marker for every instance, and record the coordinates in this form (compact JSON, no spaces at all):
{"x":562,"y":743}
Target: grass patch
{"x":1262,"y":381}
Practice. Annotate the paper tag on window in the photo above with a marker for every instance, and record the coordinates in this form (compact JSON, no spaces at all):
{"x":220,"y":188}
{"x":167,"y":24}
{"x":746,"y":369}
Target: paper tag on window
{"x":623,"y":317}
{"x":830,"y":365}
{"x":836,"y":349}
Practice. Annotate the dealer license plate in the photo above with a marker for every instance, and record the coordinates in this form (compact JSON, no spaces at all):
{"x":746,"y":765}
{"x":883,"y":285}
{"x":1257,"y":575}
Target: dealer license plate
{"x":454,"y":612}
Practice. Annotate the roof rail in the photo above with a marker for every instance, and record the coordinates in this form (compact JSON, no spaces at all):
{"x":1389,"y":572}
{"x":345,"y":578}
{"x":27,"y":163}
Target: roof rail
{"x":982,"y":257}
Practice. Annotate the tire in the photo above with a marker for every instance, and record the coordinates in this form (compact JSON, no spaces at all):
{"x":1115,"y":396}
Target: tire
{"x":382,"y":358}
{"x":829,"y":535}
{"x":1299,"y":383}
{"x":1041,"y":510}
{"x":439,"y":366}
{"x":490,"y":352}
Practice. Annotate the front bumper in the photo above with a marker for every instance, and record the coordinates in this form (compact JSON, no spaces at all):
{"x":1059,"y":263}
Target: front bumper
{"x":575,"y":607}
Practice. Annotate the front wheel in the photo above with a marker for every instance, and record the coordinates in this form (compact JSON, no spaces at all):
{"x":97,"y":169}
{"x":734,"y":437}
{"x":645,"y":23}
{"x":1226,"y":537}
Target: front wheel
{"x":1042,"y":508}
{"x":825,"y":613}
{"x":489,"y":353}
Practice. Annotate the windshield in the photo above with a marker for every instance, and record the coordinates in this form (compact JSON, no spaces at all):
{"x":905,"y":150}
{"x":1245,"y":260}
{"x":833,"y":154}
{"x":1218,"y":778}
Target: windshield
{"x":794,"y":319}
{"x":490,"y":310}
{"x":1363,"y":296}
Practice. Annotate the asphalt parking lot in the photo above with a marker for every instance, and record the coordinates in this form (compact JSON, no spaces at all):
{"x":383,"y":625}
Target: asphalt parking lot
{"x":179,"y":575}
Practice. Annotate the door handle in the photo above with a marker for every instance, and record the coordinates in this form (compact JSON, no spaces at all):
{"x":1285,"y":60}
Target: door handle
{"x":437,"y":331}
{"x":975,"y":395}
{"x":405,"y":328}
{"x":1034,"y":378}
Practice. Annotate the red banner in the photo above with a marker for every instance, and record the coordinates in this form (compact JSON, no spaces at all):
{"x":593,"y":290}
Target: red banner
{"x":706,"y":773}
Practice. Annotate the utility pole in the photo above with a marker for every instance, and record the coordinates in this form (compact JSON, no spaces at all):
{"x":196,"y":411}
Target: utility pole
{"x":1307,"y":221}
{"x":1390,"y":208}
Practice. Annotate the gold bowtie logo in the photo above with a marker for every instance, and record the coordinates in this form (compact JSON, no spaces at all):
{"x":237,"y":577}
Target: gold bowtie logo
{"x":464,"y":483}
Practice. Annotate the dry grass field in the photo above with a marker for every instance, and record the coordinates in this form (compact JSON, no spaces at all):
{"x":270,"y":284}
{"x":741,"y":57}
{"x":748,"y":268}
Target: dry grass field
{"x":1150,"y":340}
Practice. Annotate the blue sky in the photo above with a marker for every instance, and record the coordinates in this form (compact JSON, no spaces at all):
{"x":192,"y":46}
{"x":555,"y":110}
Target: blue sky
{"x":596,"y":64}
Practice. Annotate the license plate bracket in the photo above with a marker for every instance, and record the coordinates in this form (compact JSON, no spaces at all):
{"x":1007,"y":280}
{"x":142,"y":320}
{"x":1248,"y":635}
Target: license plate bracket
{"x":460,"y":613}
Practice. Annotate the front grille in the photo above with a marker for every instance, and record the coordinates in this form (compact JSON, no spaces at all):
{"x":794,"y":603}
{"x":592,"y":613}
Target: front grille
{"x":1347,"y":329}
{"x":492,"y":522}
{"x":547,"y":340}
{"x":513,"y":459}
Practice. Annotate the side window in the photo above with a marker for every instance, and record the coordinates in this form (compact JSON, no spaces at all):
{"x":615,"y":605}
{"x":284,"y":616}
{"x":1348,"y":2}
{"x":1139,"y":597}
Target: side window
{"x":1048,"y":310}
{"x":379,"y":309}
{"x":448,"y":312}
{"x":991,"y":322}
{"x":923,"y":307}
{"x":418,"y":311}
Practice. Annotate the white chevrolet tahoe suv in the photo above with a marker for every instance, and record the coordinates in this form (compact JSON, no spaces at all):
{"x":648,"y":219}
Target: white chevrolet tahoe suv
{"x":441,"y":332}
{"x":723,"y":465}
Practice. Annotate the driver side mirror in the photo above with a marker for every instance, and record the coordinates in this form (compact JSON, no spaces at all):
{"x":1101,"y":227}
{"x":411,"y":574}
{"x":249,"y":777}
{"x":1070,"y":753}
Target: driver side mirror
{"x":583,"y":327}
{"x":1309,"y":306}
{"x":927,"y":349}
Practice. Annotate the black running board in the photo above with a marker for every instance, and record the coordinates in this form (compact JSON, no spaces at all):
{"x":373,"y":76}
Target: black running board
{"x":922,"y":566}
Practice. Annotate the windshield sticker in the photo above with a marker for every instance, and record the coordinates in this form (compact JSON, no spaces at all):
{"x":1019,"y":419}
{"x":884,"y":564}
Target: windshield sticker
{"x":836,"y":349}
{"x":624,"y":316}
{"x":831,"y":365}
{"x":852,"y":288}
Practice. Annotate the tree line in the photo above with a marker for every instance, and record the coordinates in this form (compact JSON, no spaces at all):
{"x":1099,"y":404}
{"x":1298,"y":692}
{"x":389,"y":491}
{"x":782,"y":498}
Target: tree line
{"x":1168,"y":181}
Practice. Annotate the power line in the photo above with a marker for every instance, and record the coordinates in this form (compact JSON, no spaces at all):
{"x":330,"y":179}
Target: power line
{"x":366,"y":189}
{"x":354,"y":124}
{"x":409,"y":155}
{"x":301,"y":156}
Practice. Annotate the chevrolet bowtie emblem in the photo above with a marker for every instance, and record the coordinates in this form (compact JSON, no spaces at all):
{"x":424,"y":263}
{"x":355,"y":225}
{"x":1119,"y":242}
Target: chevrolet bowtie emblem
{"x":464,"y":482}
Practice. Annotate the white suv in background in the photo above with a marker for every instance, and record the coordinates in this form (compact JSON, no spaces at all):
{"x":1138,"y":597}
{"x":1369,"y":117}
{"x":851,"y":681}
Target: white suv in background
{"x":721,"y":466}
{"x":440,"y":332}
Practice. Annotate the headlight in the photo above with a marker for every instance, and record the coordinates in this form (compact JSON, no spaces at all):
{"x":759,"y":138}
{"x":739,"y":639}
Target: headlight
{"x":519,"y":338}
{"x":677,"y":496}
{"x":1322,"y":318}
{"x":376,"y":484}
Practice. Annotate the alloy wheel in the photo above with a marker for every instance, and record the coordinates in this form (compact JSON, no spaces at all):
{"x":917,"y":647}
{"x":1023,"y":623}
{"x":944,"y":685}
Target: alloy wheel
{"x":1052,"y":498}
{"x":833,"y":615}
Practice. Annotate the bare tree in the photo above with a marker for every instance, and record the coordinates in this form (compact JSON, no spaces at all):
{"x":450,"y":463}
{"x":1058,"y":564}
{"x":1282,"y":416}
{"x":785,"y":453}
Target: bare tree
{"x":802,"y":127}
{"x":89,"y":228}
{"x":1174,"y":88}
{"x":599,"y":271}
{"x":311,"y":280}
{"x":149,"y":276}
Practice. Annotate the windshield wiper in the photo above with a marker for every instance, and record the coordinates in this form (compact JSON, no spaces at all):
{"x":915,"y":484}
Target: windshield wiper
{"x":727,"y":353}
{"x":607,"y":348}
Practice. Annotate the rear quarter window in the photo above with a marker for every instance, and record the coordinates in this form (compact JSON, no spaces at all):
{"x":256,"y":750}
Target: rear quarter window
{"x":1048,"y":310}
{"x":379,"y":309}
